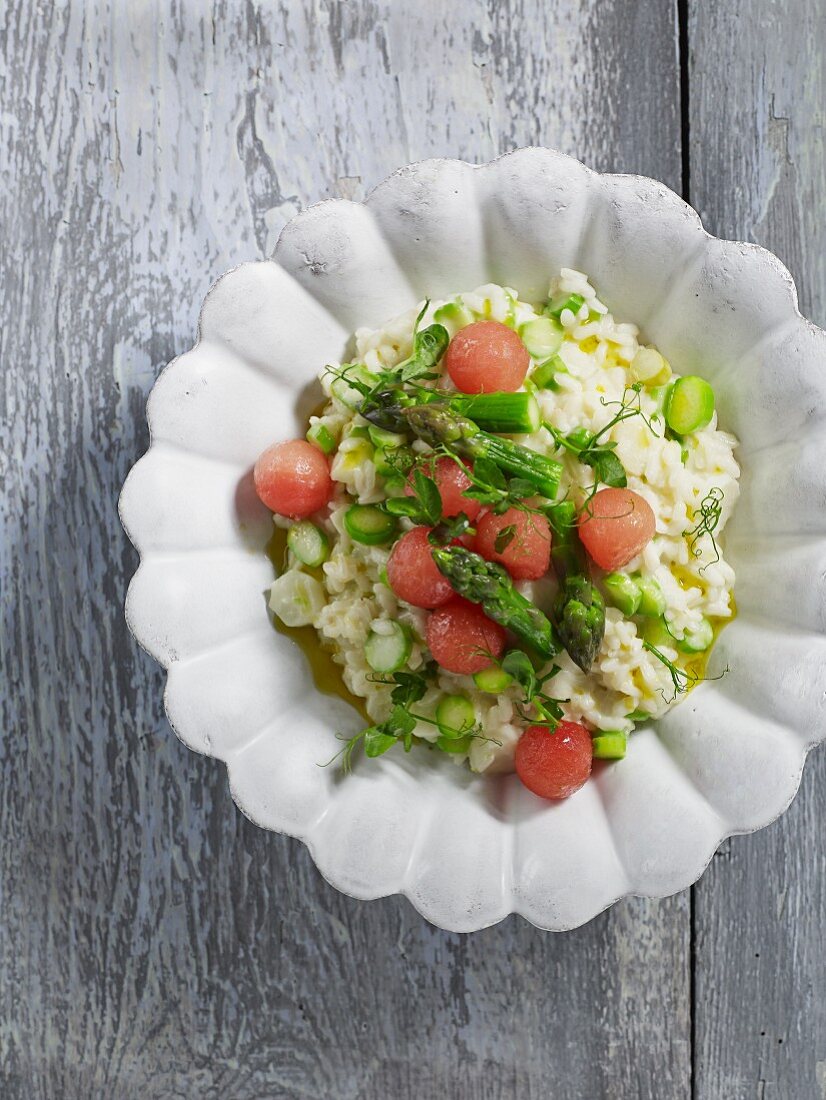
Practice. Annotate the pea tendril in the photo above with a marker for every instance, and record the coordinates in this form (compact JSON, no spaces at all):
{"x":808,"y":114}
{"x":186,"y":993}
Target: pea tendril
{"x":398,"y":728}
{"x":709,"y":513}
{"x":591,"y":448}
{"x":682,"y":679}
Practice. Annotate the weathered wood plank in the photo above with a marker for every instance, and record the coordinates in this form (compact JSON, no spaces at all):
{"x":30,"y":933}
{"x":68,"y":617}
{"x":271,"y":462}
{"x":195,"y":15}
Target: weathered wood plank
{"x":155,"y":944}
{"x":758,"y":172}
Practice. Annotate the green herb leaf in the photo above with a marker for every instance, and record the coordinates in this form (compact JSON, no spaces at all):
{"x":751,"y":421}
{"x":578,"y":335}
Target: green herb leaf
{"x":429,"y":346}
{"x":429,"y":497}
{"x":400,"y":721}
{"x":410,"y":686}
{"x":402,"y":506}
{"x":518,"y":487}
{"x":518,"y":665}
{"x":489,"y":474}
{"x":345,"y":372}
{"x":547,"y":710}
{"x":606,"y":466}
{"x":449,"y":529}
{"x":504,"y":538}
{"x":413,"y":368}
{"x":586,"y":445}
{"x":377,"y":741}
{"x":398,"y":728}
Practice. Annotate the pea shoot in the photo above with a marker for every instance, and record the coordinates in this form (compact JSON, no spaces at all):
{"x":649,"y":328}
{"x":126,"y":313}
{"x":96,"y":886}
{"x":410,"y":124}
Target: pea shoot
{"x":423,"y":504}
{"x":429,"y":345}
{"x":398,"y":728}
{"x":547,"y":710}
{"x":591,"y":448}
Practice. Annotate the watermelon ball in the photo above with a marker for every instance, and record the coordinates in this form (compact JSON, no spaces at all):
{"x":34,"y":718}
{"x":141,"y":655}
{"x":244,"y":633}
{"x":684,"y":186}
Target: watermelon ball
{"x":487,"y":357}
{"x":413,"y":574}
{"x":462,"y":639}
{"x":525,"y":552}
{"x":451,"y":481}
{"x":554,"y":763}
{"x":616,"y":526}
{"x":293,"y":479}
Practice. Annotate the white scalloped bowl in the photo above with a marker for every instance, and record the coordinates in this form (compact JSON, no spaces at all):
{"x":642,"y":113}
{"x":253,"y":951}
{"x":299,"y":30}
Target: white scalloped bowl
{"x":468,"y":850}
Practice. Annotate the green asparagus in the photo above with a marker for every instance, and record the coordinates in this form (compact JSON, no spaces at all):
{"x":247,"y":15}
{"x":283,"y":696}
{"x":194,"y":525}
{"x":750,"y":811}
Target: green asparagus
{"x":437,"y":425}
{"x":503,"y":413}
{"x":488,"y":584}
{"x":383,"y":408}
{"x":579,"y":609}
{"x":580,"y":619}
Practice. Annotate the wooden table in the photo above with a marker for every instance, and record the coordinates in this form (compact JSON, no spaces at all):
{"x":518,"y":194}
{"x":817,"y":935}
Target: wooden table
{"x":153,"y":942}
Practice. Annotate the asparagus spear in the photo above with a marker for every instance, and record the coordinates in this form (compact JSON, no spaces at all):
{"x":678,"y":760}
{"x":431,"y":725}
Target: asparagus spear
{"x":436,"y":424}
{"x":382,"y":405}
{"x":580,"y":609}
{"x":503,"y":413}
{"x":488,"y":584}
{"x":384,"y":409}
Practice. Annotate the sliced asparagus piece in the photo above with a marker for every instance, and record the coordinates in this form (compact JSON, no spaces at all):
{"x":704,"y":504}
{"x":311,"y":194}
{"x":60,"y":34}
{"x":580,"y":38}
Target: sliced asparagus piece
{"x":504,"y":413}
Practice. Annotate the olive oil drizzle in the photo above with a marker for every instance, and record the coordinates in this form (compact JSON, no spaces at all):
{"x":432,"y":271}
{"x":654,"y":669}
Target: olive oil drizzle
{"x":697,"y":665}
{"x":326,"y":672}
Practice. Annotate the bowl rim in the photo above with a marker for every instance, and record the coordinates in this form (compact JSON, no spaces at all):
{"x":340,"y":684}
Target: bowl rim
{"x":765,"y":256}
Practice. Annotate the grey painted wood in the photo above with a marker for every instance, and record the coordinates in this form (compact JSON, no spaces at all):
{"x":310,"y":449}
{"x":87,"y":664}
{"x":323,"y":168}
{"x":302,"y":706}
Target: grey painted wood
{"x":154,"y":943}
{"x":758,"y":172}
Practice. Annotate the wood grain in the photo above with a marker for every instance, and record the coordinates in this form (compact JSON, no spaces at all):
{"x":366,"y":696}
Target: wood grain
{"x":154,"y":943}
{"x":758,"y":172}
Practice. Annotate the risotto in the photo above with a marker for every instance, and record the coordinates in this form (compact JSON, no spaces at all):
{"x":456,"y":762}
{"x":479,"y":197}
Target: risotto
{"x":504,"y":525}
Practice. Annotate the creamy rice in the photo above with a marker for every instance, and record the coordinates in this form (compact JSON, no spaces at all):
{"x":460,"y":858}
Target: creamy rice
{"x":672,"y":476}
